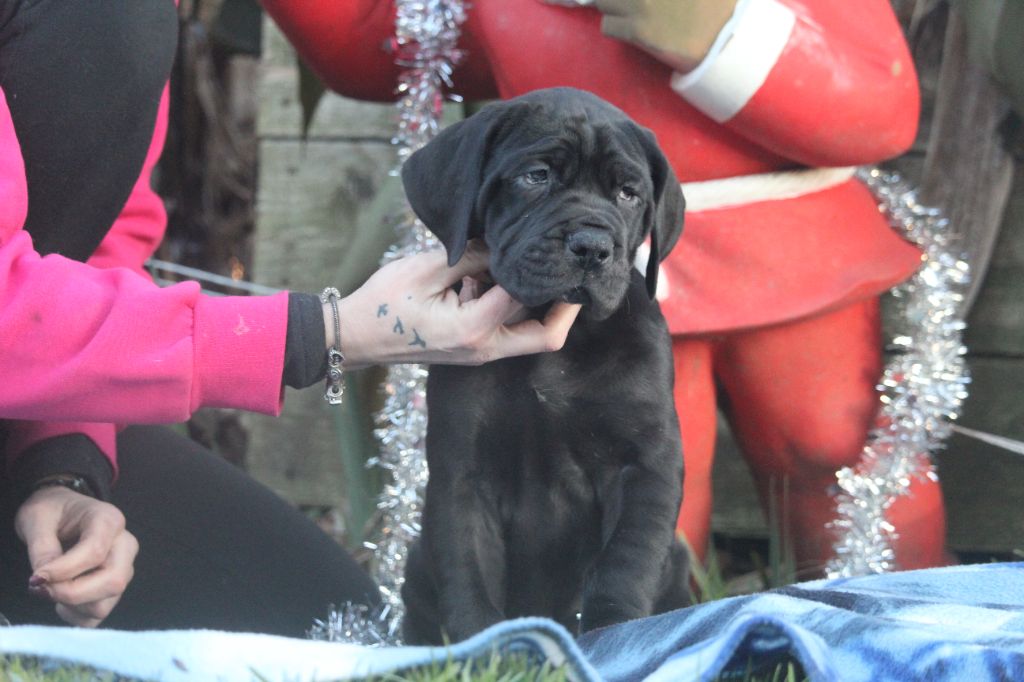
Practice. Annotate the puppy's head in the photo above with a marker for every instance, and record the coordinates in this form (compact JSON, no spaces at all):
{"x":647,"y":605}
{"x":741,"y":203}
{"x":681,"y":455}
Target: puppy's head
{"x":562,"y":186}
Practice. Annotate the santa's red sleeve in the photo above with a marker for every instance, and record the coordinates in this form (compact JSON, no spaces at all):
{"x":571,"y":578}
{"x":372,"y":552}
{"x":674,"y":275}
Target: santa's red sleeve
{"x":350,"y":45}
{"x":822,"y":83}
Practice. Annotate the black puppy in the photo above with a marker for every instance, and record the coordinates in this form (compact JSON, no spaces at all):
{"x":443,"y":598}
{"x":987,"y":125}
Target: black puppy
{"x":555,"y":479}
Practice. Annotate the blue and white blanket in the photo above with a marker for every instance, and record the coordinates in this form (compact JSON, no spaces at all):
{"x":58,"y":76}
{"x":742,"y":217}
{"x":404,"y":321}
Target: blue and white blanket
{"x":957,"y":623}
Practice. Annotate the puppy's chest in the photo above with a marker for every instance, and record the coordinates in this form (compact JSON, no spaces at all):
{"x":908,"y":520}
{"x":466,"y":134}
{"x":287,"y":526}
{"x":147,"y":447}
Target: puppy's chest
{"x":556,"y":459}
{"x":559,"y":421}
{"x":554,"y":392}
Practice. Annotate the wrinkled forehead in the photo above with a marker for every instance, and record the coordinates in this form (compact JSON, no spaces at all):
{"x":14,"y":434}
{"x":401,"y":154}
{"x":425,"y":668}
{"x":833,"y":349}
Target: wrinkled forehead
{"x":570,"y":101}
{"x":562,"y":129}
{"x":575,"y":117}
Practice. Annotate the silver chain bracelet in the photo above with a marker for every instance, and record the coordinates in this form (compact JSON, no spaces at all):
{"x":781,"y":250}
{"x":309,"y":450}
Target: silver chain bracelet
{"x":335,"y":383}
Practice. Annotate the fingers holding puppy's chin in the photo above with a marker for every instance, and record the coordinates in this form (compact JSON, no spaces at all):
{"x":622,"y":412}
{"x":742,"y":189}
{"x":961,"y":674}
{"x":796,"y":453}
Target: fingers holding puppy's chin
{"x":474,"y":262}
{"x":470,"y":289}
{"x":558,"y":322}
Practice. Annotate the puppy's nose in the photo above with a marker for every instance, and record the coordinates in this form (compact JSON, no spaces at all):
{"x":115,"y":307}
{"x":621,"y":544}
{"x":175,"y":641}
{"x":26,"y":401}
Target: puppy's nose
{"x":590,"y":247}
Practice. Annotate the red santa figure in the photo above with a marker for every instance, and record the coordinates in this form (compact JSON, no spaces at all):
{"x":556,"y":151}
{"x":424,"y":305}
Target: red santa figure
{"x":763,"y":107}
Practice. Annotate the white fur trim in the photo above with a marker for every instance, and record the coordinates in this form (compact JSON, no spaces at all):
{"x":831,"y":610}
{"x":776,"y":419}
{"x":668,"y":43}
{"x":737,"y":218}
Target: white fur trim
{"x":740,"y":60}
{"x":748,"y":189}
{"x":643,"y":254}
{"x":745,"y":189}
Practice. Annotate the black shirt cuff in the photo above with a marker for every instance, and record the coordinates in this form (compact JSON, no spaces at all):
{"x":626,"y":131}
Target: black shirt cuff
{"x":305,"y":348}
{"x":74,"y":453}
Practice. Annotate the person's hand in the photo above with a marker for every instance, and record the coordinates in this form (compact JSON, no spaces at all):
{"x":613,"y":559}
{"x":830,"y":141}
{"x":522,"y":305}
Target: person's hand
{"x":81,"y":555}
{"x":678,"y":32}
{"x":408,"y":312}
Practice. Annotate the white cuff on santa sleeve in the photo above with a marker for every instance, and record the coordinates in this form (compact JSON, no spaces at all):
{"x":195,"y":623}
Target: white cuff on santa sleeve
{"x":740,"y":59}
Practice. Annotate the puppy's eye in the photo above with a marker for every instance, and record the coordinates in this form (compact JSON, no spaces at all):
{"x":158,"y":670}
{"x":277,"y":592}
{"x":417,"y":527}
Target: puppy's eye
{"x":628,"y":195}
{"x":536,"y":177}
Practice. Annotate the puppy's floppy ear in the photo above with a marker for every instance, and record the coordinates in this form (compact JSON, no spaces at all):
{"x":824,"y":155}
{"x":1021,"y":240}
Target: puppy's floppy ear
{"x":666,"y":216}
{"x":442,"y":179}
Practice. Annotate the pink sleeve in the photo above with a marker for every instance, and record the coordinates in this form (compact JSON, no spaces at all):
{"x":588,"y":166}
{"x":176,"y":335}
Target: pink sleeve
{"x":92,"y":344}
{"x":134,"y":237}
{"x":823,"y":83}
{"x":106,"y":344}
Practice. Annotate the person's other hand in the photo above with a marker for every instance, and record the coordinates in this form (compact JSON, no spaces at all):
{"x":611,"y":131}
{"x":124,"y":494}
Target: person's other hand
{"x":678,"y":32}
{"x":82,"y":557}
{"x":408,"y":312}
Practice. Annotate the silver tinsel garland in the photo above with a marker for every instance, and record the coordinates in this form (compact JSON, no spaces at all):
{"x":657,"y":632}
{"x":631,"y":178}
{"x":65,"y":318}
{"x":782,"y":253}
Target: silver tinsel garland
{"x":921,"y":390}
{"x":426,"y":34}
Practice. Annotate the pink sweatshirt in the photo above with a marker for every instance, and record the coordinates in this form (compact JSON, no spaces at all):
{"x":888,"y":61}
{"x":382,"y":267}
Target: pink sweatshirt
{"x":84,"y":346}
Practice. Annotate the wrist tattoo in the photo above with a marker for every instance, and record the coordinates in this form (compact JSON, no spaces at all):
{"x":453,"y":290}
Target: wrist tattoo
{"x":382,"y":310}
{"x":418,"y":340}
{"x":398,"y":328}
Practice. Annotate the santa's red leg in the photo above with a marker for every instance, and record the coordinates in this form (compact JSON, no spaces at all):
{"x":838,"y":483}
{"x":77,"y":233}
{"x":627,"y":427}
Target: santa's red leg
{"x":801,"y":398}
{"x":695,"y":402}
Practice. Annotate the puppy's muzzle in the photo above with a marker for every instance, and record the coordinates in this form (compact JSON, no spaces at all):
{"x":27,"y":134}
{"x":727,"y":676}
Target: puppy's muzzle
{"x":589,"y":248}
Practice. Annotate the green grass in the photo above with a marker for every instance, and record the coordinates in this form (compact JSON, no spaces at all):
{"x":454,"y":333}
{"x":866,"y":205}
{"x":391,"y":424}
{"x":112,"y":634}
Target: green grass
{"x":33,"y":670}
{"x":708,"y":583}
{"x":775,"y":568}
{"x":495,"y":668}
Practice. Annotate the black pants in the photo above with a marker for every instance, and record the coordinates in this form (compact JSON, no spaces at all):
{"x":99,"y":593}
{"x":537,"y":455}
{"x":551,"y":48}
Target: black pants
{"x":83,"y":80}
{"x":217,"y":549}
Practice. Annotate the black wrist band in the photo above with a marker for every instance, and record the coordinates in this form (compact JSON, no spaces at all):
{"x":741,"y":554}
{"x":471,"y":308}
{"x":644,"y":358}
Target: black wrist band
{"x":70,"y":455}
{"x":304,"y":361}
{"x":69,"y":481}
